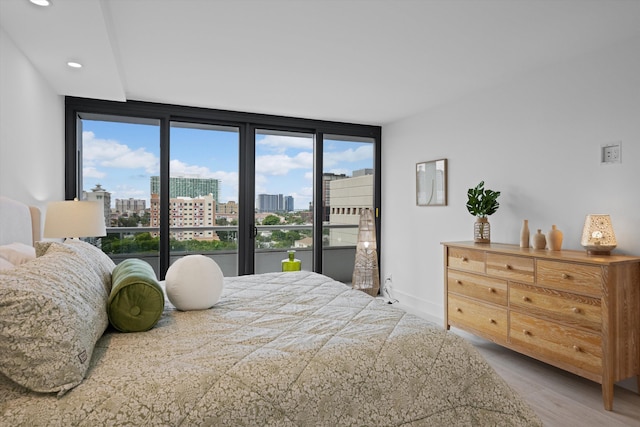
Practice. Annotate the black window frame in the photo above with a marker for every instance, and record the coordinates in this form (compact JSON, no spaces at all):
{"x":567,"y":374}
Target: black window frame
{"x":247,"y":123}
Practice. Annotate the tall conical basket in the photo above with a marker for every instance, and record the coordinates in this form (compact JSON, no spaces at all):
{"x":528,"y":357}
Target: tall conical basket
{"x":366,"y":275}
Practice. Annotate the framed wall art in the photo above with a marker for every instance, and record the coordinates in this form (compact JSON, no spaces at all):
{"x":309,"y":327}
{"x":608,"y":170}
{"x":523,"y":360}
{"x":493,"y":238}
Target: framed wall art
{"x":431,"y":183}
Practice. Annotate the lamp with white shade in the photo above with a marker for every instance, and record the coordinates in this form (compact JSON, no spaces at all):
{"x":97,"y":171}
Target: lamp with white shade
{"x":74,"y":219}
{"x":598,"y":237}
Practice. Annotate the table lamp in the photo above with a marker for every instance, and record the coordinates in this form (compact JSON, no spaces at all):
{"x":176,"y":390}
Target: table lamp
{"x":74,"y":219}
{"x":597,"y":235}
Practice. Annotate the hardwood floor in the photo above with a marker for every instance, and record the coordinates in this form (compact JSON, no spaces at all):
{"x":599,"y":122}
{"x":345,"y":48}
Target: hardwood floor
{"x":558,"y":397}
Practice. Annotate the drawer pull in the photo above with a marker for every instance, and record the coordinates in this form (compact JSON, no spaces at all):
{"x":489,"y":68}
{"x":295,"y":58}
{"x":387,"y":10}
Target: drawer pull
{"x":458,"y":309}
{"x":526,"y":299}
{"x":492,"y":321}
{"x":526,"y":332}
{"x":463,"y":259}
{"x":491,"y":290}
{"x":575,"y":310}
{"x":576,"y":348}
{"x":565,"y":276}
{"x":459,"y":282}
{"x":507,"y":266}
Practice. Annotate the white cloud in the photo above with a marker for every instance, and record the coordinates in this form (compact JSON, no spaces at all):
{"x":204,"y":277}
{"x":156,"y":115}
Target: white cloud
{"x":98,"y":152}
{"x":127,"y":191}
{"x":363,"y":152}
{"x":280,"y":143}
{"x":281,"y":164}
{"x":92,"y":172}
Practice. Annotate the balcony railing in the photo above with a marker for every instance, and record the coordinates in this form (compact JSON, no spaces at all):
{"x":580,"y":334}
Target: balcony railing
{"x":138,"y":242}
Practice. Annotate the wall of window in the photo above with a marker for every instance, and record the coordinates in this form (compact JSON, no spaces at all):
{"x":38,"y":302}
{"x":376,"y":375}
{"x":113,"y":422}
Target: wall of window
{"x":242,"y":188}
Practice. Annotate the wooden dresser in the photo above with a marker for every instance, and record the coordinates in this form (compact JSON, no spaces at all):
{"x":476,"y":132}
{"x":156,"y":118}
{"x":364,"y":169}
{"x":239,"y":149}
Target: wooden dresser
{"x":575,"y":311}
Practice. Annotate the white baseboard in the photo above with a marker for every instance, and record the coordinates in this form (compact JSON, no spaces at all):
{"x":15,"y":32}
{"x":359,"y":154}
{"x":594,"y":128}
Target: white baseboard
{"x":419,"y":307}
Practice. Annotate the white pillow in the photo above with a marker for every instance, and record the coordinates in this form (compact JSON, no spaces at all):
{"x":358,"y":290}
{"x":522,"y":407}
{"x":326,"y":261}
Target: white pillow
{"x":5,"y":265}
{"x":17,"y":253}
{"x":194,"y":282}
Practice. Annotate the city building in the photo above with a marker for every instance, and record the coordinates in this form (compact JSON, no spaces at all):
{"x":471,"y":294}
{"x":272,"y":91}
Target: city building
{"x":288,"y":203}
{"x":188,"y":187}
{"x":131,"y":206}
{"x":99,"y":194}
{"x":186,"y":215}
{"x":269,"y":203}
{"x":348,"y":197}
{"x":326,"y":192}
{"x":229,"y":208}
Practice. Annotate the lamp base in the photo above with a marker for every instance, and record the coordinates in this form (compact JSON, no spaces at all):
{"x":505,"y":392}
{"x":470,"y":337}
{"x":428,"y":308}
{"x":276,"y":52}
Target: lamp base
{"x":600,"y":252}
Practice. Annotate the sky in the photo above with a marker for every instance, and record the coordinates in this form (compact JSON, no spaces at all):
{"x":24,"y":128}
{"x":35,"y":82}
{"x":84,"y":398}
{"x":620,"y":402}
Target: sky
{"x":122,"y":156}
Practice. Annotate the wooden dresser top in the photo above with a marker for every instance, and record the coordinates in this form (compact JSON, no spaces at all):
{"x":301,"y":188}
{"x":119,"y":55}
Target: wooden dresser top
{"x":562,"y":255}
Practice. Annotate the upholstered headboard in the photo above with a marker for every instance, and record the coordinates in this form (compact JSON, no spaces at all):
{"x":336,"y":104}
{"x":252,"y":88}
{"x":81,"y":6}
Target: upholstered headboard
{"x":18,"y":222}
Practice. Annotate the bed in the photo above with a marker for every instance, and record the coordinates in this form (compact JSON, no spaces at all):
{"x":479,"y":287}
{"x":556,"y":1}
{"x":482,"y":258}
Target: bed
{"x":285,"y":349}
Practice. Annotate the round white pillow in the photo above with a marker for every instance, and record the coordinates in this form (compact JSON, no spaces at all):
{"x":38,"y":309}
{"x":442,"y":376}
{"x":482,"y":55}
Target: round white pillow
{"x":194,"y":282}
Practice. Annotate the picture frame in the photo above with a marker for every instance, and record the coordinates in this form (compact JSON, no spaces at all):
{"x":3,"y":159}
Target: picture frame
{"x":431,"y":183}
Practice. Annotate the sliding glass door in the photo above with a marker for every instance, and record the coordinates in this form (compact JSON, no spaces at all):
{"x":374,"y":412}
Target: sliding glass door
{"x":240,"y":188}
{"x":347,"y":188}
{"x":203,"y":192}
{"x":119,"y":158}
{"x":284,"y":198}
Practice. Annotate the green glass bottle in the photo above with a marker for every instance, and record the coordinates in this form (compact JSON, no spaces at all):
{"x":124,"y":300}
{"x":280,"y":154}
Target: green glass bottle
{"x":291,"y":263}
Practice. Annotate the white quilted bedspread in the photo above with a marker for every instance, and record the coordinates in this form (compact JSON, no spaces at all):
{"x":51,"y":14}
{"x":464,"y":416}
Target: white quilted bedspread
{"x":280,"y":349}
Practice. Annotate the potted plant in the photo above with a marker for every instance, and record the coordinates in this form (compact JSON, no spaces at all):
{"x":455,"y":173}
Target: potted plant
{"x":481,"y":203}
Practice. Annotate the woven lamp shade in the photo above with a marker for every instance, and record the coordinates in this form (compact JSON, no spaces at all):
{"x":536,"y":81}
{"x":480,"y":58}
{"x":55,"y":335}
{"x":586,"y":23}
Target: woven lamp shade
{"x":366,"y":275}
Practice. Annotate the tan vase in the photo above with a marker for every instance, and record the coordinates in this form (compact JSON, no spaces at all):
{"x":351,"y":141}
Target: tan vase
{"x":524,"y":234}
{"x":539,"y":240}
{"x":554,"y":239}
{"x":482,"y":230}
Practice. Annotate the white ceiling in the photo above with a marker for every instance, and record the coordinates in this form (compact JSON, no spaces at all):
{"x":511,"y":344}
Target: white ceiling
{"x":362,"y":61}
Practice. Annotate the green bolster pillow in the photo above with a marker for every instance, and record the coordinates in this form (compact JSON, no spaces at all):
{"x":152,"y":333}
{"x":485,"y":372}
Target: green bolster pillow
{"x":136,"y":301}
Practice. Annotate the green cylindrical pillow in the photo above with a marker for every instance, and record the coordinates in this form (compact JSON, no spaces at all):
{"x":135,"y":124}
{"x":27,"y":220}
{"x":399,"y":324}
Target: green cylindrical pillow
{"x":136,"y":301}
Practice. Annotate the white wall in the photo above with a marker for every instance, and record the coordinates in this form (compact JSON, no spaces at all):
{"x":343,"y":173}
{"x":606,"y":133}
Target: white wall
{"x":536,"y":139}
{"x":31,"y":131}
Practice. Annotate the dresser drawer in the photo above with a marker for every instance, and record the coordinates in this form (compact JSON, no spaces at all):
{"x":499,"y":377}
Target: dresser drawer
{"x":511,"y":267}
{"x":487,"y":320}
{"x":571,"y":309}
{"x":586,"y":279}
{"x":480,"y":287}
{"x":466,"y":259}
{"x":555,"y":342}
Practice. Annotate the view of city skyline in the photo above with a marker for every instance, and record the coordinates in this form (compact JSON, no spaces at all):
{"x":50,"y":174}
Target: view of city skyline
{"x":123,"y":156}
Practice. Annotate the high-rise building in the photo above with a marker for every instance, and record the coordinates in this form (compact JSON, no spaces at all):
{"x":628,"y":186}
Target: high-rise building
{"x":186,"y":215}
{"x":348,"y":197}
{"x":130,"y":205}
{"x":99,"y":194}
{"x":231,"y":207}
{"x":288,"y":203}
{"x":188,"y":187}
{"x":270,"y":203}
{"x":326,"y":193}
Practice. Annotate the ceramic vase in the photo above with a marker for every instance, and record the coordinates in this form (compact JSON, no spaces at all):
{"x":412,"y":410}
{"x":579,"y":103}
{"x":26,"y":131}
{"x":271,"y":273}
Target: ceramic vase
{"x":539,"y":240}
{"x":554,"y":239}
{"x":524,"y":234}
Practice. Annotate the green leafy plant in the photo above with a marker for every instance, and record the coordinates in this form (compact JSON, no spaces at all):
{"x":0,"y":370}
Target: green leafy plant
{"x":482,"y":202}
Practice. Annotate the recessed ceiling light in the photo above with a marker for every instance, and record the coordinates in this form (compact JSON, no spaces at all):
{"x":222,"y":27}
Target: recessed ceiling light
{"x":41,"y":2}
{"x":74,"y":64}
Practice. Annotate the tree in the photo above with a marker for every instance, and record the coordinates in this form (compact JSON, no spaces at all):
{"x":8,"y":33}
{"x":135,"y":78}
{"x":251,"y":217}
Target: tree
{"x":271,"y":220}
